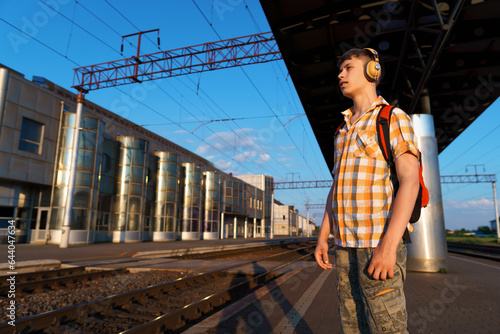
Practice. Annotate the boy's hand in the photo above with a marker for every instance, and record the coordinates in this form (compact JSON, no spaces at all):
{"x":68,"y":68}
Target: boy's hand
{"x":321,"y":255}
{"x":382,"y":262}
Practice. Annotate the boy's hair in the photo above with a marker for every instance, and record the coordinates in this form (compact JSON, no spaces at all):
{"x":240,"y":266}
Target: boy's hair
{"x":356,"y":52}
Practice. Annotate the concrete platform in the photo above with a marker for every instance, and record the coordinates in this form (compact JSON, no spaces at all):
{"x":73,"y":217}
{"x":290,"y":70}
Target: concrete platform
{"x":31,"y":257}
{"x":465,"y":300}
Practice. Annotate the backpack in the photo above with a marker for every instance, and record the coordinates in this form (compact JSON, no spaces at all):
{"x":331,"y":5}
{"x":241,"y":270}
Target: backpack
{"x":382,"y":125}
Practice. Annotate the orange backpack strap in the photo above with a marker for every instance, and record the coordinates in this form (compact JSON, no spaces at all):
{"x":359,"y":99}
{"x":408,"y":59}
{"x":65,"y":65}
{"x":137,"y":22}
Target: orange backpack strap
{"x":339,"y":128}
{"x":384,"y":140}
{"x":383,"y":131}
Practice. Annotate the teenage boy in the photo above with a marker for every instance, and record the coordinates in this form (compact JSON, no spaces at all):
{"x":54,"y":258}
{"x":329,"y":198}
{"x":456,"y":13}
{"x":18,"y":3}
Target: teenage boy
{"x":368,"y":221}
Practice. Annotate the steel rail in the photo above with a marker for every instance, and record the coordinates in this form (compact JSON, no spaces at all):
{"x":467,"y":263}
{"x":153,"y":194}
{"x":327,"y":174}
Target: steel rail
{"x":480,"y":251}
{"x":80,"y":312}
{"x":40,"y":275}
{"x":54,"y":282}
{"x":181,"y":317}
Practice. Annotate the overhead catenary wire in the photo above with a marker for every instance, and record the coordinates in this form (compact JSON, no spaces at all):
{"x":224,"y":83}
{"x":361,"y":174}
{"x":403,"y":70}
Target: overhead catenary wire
{"x":39,"y":41}
{"x":460,"y":156}
{"x":152,"y":109}
{"x":256,"y":88}
{"x":220,"y":38}
{"x":79,"y":26}
{"x":155,"y":83}
{"x":288,"y":84}
{"x":216,"y":134}
{"x":249,"y":138}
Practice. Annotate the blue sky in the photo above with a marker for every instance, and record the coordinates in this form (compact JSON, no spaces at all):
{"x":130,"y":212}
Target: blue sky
{"x":260,"y":97}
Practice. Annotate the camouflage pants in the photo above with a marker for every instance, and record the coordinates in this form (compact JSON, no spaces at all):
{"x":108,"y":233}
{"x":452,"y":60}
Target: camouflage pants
{"x":367,"y":305}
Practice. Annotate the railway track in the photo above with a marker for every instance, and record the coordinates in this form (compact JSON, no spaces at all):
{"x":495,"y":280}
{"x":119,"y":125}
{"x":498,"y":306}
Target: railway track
{"x":34,"y":282}
{"x":162,"y":307}
{"x":479,"y":251}
{"x":53,"y":279}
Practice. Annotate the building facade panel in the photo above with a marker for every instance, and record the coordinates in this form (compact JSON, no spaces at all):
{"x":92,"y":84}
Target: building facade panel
{"x":131,"y":184}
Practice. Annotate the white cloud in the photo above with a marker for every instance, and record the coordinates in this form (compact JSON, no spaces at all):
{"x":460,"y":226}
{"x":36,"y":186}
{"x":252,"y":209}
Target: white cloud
{"x":264,"y":157}
{"x":189,"y":141}
{"x":225,"y":165}
{"x":243,"y":143}
{"x":288,"y":148}
{"x":242,"y":157}
{"x":480,"y":204}
{"x":180,"y":131}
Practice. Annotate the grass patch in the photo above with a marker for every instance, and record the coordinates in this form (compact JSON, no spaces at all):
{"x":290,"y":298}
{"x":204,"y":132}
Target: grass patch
{"x":473,"y":240}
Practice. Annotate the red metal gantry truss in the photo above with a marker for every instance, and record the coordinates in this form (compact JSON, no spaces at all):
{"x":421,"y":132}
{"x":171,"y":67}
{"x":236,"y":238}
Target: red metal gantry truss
{"x":258,"y":48}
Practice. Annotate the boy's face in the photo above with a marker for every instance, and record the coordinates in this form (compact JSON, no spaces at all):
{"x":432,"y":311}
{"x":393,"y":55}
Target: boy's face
{"x":352,"y":80}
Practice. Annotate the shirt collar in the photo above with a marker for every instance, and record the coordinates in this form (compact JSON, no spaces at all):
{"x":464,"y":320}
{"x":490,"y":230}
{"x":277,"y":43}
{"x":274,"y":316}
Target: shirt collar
{"x":348,"y":112}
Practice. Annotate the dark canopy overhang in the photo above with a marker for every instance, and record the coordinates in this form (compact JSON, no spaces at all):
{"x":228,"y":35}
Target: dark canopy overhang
{"x":448,"y":51}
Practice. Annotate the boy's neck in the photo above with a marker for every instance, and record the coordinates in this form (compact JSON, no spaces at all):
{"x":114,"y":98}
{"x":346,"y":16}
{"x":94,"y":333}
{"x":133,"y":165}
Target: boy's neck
{"x":362,"y":103}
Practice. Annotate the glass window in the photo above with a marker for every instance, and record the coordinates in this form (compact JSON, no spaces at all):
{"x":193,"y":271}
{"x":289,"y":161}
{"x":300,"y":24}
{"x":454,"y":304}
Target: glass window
{"x":85,"y":161}
{"x":82,"y":198}
{"x":172,"y":169}
{"x":83,"y":179}
{"x":134,"y":204}
{"x":124,"y":174}
{"x":171,"y":184}
{"x":136,"y":189}
{"x":87,"y":140}
{"x":137,"y":175}
{"x":138,"y":158}
{"x":106,"y":163}
{"x":79,"y":219}
{"x":171,"y":196}
{"x":170,"y":207}
{"x":31,"y":136}
{"x":158,"y":224}
{"x":170,"y":225}
{"x":160,"y":196}
{"x":133,"y":222}
{"x":89,"y":123}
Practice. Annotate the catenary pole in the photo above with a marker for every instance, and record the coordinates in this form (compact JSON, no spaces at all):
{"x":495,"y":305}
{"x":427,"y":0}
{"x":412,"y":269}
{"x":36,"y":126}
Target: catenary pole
{"x":66,"y":226}
{"x":496,"y":208}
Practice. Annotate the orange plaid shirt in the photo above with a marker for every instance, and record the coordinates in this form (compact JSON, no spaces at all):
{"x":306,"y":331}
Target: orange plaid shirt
{"x":363,"y":191}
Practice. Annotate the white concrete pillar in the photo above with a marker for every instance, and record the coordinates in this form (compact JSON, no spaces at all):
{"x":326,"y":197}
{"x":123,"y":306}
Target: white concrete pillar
{"x":222,"y":225}
{"x":246,"y":227}
{"x":254,"y":227}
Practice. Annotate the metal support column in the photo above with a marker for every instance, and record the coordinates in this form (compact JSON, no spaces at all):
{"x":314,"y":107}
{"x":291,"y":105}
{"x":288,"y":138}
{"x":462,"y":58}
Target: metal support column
{"x":306,"y":225}
{"x":427,"y":252}
{"x":4,"y":84}
{"x":272,"y":216}
{"x":222,"y":225}
{"x":235,"y":227}
{"x":496,"y":209}
{"x":66,"y":226}
{"x":246,"y":227}
{"x":255,"y":228}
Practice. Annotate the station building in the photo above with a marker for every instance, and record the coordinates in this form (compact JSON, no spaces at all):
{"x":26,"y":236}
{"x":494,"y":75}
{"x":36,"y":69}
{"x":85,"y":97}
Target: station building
{"x":131,"y":184}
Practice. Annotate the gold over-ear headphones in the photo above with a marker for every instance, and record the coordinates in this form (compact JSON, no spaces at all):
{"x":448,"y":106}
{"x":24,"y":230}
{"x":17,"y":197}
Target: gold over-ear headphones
{"x":372,"y":68}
